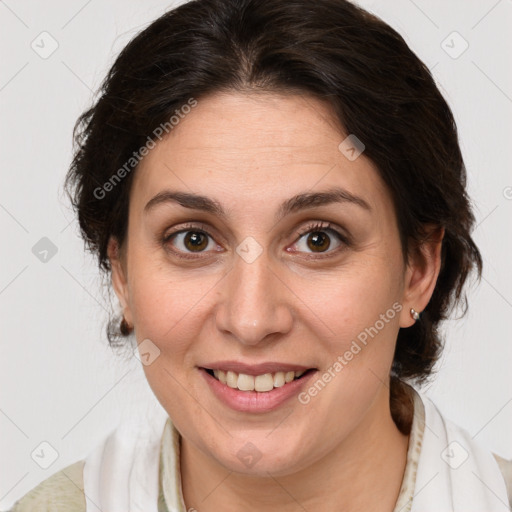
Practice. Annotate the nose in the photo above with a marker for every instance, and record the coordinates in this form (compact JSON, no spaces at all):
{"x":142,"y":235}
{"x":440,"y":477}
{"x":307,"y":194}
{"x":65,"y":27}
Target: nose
{"x":255,"y":305}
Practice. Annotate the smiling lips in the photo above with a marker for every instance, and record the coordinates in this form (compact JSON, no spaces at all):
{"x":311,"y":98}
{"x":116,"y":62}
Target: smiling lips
{"x":255,"y":388}
{"x":261,"y":383}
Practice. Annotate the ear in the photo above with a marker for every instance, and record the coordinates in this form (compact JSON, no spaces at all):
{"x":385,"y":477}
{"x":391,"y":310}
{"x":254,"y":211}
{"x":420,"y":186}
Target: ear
{"x":119,"y":277}
{"x":421,"y":273}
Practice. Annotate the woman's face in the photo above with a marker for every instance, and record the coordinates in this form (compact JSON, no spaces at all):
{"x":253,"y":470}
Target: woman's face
{"x":257,"y":246}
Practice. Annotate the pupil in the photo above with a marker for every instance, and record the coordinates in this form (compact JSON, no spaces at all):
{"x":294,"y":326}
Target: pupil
{"x":196,"y":240}
{"x":319,"y":241}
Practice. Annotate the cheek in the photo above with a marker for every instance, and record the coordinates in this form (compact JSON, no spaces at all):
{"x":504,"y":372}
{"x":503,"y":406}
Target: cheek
{"x":361,"y":309}
{"x":361,"y":312}
{"x":364,"y":297}
{"x":169,"y":310}
{"x":169,"y":307}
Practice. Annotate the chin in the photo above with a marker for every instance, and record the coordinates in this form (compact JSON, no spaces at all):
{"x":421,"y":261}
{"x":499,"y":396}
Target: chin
{"x":259,"y":456}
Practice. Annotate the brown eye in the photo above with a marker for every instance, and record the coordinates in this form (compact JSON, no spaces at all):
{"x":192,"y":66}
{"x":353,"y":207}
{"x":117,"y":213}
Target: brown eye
{"x":318,"y":241}
{"x":190,"y":241}
{"x":195,"y":241}
{"x":320,"y":238}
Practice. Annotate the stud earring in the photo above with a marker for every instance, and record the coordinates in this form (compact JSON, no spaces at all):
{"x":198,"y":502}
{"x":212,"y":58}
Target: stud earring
{"x":415,"y":314}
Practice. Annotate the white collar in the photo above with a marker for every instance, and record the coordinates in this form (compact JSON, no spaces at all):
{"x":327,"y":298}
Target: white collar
{"x":454,"y":472}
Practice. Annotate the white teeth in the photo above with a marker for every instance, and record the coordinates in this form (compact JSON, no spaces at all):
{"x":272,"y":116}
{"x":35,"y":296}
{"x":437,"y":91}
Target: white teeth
{"x":263,"y":382}
{"x":279,"y":379}
{"x":231,"y":379}
{"x":260,"y":383}
{"x":289,"y":376}
{"x":245,"y":382}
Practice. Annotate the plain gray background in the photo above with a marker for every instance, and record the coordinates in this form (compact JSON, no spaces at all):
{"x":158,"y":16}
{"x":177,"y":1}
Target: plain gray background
{"x":60,"y":382}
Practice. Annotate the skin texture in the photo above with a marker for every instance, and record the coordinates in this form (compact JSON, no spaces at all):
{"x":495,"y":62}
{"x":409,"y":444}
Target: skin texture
{"x":251,"y":152}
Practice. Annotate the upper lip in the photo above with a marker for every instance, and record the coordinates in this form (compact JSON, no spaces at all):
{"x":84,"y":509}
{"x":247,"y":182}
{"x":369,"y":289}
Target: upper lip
{"x":255,"y":369}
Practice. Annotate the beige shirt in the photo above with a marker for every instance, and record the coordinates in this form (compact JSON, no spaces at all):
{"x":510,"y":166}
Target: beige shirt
{"x":63,"y":491}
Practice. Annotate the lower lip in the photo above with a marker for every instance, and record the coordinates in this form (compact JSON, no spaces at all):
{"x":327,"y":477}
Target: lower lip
{"x":255,"y":401}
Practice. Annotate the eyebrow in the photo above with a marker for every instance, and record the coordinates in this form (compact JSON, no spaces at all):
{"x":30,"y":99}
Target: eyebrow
{"x":303,"y":201}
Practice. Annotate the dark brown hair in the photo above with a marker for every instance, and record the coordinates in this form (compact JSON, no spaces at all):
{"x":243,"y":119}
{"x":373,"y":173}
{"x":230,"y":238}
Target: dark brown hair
{"x":330,"y":49}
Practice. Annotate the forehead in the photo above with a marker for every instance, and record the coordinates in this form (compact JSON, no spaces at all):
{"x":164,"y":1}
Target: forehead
{"x":242,"y":148}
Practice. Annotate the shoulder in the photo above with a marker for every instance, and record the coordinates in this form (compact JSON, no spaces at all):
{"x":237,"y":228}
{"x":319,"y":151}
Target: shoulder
{"x":61,"y":492}
{"x":506,"y":470}
{"x":504,"y":465}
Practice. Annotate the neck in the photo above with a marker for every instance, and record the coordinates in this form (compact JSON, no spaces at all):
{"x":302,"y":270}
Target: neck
{"x":364,"y":472}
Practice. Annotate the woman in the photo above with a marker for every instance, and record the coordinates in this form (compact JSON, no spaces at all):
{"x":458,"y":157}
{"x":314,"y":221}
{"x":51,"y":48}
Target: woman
{"x":277,"y":191}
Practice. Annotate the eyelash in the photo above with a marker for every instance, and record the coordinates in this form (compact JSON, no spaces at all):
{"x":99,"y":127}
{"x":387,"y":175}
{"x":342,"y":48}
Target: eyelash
{"x":311,"y":228}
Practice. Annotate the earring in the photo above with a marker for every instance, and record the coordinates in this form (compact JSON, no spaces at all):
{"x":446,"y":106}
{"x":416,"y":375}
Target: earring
{"x":415,"y":314}
{"x":125,"y":328}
